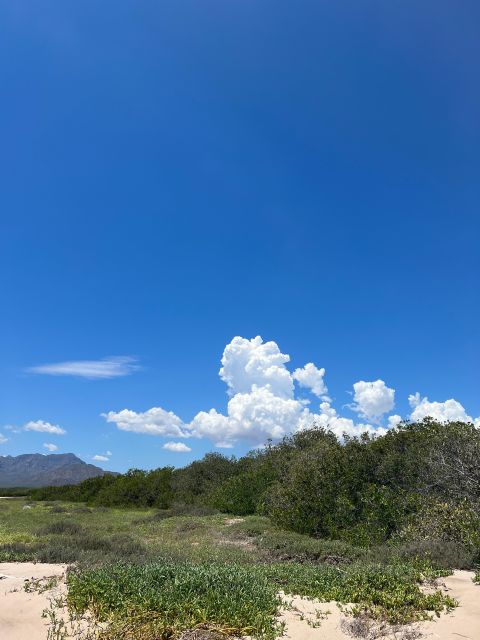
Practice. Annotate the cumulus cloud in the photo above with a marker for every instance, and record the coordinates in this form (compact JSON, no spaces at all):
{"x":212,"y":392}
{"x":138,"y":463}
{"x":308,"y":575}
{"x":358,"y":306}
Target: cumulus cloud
{"x":311,"y":378}
{"x":44,"y":427}
{"x":111,"y":367}
{"x":176,"y":447}
{"x":50,"y":447}
{"x":100,"y":458}
{"x":328,"y":418}
{"x":249,"y":363}
{"x":394,"y":421}
{"x":441,"y":411}
{"x":253,"y":416}
{"x":372,"y":400}
{"x":262,"y":403}
{"x":155,"y":422}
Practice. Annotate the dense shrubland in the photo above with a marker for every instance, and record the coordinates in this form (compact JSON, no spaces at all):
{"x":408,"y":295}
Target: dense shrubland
{"x":418,"y":483}
{"x":363,"y":521}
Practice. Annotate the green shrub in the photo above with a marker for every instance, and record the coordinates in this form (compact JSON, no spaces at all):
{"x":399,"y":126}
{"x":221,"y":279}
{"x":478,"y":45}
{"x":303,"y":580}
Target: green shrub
{"x":435,"y":520}
{"x":285,"y":545}
{"x":62,"y":527}
{"x":58,"y":509}
{"x":17,"y":552}
{"x":442,"y":554}
{"x":197,"y":510}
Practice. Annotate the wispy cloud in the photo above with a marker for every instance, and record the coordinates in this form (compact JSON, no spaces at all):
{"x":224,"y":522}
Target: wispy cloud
{"x":99,"y":458}
{"x":3,"y":439}
{"x":50,"y":447}
{"x":110,"y":367}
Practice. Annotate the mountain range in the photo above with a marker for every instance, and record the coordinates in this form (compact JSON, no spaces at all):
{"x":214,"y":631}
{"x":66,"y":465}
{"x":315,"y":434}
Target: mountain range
{"x":37,"y":470}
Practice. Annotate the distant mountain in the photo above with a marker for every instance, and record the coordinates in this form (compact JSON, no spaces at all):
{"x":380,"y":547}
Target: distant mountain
{"x":37,"y":470}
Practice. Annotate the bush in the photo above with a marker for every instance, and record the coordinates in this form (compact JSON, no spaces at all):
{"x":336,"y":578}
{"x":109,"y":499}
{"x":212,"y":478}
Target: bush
{"x":62,"y":527}
{"x":196,"y":510}
{"x":58,"y":509}
{"x":283,"y":545}
{"x":68,"y":542}
{"x":442,"y":554}
{"x":457,"y":523}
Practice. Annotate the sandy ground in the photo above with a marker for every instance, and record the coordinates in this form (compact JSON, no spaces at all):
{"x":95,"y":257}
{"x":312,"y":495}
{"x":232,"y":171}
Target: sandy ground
{"x":21,"y":612}
{"x":463,"y":623}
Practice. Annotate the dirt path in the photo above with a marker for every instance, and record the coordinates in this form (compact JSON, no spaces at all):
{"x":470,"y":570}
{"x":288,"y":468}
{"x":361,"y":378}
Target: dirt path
{"x":21,"y":612}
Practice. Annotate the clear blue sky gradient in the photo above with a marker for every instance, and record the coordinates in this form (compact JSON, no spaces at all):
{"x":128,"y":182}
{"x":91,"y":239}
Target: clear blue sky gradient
{"x":177,"y":173}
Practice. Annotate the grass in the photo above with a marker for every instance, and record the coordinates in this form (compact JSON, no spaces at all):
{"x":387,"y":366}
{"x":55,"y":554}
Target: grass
{"x":180,"y":571}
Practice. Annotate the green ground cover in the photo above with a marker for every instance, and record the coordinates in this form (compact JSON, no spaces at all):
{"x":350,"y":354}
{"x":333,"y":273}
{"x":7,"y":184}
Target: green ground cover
{"x":157,"y":573}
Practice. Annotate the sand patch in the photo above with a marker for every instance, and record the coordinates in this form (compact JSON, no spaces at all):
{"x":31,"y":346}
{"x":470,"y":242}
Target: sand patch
{"x":21,"y":612}
{"x":308,"y":619}
{"x":463,"y":623}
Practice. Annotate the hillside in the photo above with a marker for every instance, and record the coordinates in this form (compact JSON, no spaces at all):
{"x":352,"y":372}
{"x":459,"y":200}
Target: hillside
{"x":37,"y":470}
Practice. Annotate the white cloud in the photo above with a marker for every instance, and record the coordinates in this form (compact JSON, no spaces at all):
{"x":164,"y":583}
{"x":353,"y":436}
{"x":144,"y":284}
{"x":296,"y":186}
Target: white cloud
{"x":253,"y":416}
{"x":262,"y":403}
{"x":312,"y":378}
{"x":246,"y":363}
{"x":50,"y":446}
{"x":111,"y":367}
{"x":328,"y":418}
{"x":372,"y":400}
{"x":176,"y":447}
{"x":109,"y":453}
{"x":155,"y":422}
{"x":44,"y":427}
{"x":100,"y":458}
{"x":3,"y":439}
{"x":441,"y":411}
{"x":394,"y":421}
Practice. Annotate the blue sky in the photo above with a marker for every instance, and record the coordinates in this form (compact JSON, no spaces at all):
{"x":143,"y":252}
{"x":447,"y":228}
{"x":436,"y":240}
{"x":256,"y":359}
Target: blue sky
{"x":175,"y":174}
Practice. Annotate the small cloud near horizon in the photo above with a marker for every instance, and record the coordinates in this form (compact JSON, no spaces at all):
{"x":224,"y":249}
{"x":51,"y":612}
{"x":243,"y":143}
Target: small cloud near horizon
{"x":176,"y":447}
{"x":99,"y":458}
{"x":103,"y":369}
{"x":50,"y":446}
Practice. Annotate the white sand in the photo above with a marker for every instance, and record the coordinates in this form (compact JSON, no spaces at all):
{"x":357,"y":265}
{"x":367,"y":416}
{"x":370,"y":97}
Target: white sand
{"x":463,"y":623}
{"x":21,"y":612}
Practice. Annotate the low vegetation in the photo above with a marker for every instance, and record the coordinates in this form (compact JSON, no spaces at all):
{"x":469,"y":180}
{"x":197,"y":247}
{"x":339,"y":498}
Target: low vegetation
{"x":171,"y":596}
{"x":210,"y":546}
